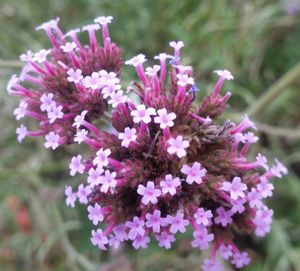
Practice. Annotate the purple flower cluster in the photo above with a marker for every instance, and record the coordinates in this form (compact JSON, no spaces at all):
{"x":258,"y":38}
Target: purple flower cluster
{"x":57,"y":84}
{"x":170,"y":164}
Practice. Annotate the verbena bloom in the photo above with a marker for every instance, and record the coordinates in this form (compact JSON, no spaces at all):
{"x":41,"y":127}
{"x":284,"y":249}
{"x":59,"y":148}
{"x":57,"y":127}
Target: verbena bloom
{"x":76,"y":165}
{"x":52,"y":140}
{"x":178,"y":145}
{"x":52,"y":85}
{"x":127,"y":137}
{"x":170,"y":164}
{"x":149,"y":193}
{"x":70,"y":196}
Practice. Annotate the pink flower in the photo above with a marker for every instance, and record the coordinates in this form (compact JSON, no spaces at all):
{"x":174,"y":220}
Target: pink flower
{"x":99,"y":239}
{"x":26,"y":57}
{"x":169,"y":185}
{"x":76,"y":165}
{"x":78,"y":121}
{"x":195,"y":173}
{"x":93,"y":82}
{"x":83,"y":192}
{"x":20,"y":111}
{"x":149,"y":193}
{"x":202,"y":237}
{"x":117,"y":98}
{"x":52,"y":24}
{"x":140,"y":241}
{"x":254,"y":198}
{"x":164,"y":119}
{"x":136,"y":227}
{"x":142,"y":114}
{"x":203,"y":217}
{"x":177,"y":222}
{"x":108,"y":181}
{"x":176,"y":45}
{"x":70,"y":196}
{"x":240,"y":259}
{"x":11,"y":83}
{"x":80,"y":136}
{"x":47,"y":102}
{"x":128,"y":136}
{"x":262,"y":221}
{"x":212,"y":265}
{"x":184,"y":80}
{"x":223,"y":217}
{"x":121,"y":232}
{"x":55,"y":113}
{"x":238,"y":205}
{"x":41,"y":56}
{"x":262,"y":161}
{"x":74,"y":76}
{"x":94,"y":176}
{"x":136,"y":60}
{"x":68,"y":47}
{"x":103,"y":20}
{"x":265,"y":187}
{"x":21,"y":132}
{"x":114,"y":242}
{"x":101,"y":159}
{"x":224,"y":73}
{"x":91,"y":27}
{"x":52,"y":140}
{"x":178,"y":146}
{"x":155,"y":221}
{"x":236,"y":188}
{"x":162,"y":56}
{"x":95,"y":213}
{"x":225,"y":251}
{"x":152,"y":71}
{"x":165,"y":239}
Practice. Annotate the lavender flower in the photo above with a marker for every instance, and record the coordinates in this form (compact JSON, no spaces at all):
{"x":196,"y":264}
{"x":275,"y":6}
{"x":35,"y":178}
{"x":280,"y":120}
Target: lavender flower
{"x":174,"y":164}
{"x":57,"y":84}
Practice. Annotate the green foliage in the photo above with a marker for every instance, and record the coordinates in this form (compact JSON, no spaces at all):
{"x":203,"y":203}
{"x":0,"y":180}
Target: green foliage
{"x":256,"y":40}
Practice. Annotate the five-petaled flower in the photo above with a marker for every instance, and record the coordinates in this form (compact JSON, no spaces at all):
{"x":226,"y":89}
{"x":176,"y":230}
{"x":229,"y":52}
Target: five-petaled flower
{"x":178,"y":145}
{"x":149,"y":193}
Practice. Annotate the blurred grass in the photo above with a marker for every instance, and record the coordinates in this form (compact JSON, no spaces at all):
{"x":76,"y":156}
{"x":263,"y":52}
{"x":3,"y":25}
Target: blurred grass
{"x":257,"y":40}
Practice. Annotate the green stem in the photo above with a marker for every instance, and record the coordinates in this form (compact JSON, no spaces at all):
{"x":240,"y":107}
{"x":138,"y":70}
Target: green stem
{"x":274,"y":91}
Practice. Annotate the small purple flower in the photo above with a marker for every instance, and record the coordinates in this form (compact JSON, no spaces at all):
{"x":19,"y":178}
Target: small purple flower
{"x":184,"y":80}
{"x":165,"y":239}
{"x":195,"y":173}
{"x":265,"y":187}
{"x":254,"y":198}
{"x":108,"y":181}
{"x":142,"y":114}
{"x":178,"y":145}
{"x":236,"y":188}
{"x":169,"y":185}
{"x":224,"y":74}
{"x":76,"y":165}
{"x":177,"y":222}
{"x":155,"y":221}
{"x":103,"y":20}
{"x":47,"y":102}
{"x":21,"y":132}
{"x":94,"y":177}
{"x":212,"y":265}
{"x":164,"y":118}
{"x":117,"y":98}
{"x":80,"y":136}
{"x":79,"y":119}
{"x":52,"y":140}
{"x":240,"y":259}
{"x":99,"y":239}
{"x":149,"y":193}
{"x":41,"y":56}
{"x":21,"y":110}
{"x":140,"y":241}
{"x":83,"y":192}
{"x":68,"y":47}
{"x":203,"y":217}
{"x":223,"y":217}
{"x":75,"y":76}
{"x":135,"y":61}
{"x":202,"y":238}
{"x":55,"y":113}
{"x":136,"y":227}
{"x":127,"y":137}
{"x":101,"y":159}
{"x":95,"y":213}
{"x":225,"y":251}
{"x":70,"y":196}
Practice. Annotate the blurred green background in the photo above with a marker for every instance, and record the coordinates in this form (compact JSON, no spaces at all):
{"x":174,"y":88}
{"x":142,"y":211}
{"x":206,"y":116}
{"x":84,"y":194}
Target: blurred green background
{"x":258,"y":41}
